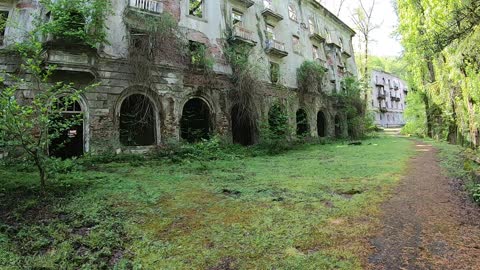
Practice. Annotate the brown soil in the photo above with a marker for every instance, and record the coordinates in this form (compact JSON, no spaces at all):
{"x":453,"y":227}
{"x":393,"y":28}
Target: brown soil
{"x":428,"y":223}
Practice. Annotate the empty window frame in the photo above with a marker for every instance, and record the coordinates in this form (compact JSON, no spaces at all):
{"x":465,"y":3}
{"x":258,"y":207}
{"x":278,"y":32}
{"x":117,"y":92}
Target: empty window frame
{"x":3,"y":24}
{"x":315,"y":52}
{"x":196,"y":8}
{"x":311,"y":26}
{"x":274,"y":72}
{"x":292,"y":12}
{"x":237,"y":17}
{"x":270,"y":32}
{"x":296,"y":44}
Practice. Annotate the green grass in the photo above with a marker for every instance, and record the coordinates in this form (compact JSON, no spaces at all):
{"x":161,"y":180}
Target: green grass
{"x":309,"y":208}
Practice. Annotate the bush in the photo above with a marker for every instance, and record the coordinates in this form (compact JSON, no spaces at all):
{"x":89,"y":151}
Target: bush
{"x":476,"y":193}
{"x":310,"y":76}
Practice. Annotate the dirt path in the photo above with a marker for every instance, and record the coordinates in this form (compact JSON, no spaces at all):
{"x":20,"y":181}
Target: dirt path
{"x":428,"y":223}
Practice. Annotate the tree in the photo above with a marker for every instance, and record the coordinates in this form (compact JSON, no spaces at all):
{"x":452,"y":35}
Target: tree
{"x":29,"y":124}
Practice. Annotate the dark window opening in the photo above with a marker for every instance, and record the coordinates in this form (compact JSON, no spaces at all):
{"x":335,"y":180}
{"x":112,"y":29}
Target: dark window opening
{"x":274,"y":72}
{"x":3,"y":25}
{"x":321,"y":125}
{"x":278,"y":120}
{"x":140,"y":44}
{"x":244,"y":130}
{"x":303,"y":128}
{"x":196,"y":8}
{"x":69,"y":142}
{"x":137,"y":121}
{"x":195,"y":124}
{"x":338,"y":127}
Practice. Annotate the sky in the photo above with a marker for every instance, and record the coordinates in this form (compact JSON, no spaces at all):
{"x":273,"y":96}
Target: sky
{"x":384,"y":44}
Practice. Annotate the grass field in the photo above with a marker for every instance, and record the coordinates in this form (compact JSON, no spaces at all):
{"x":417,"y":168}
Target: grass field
{"x":309,"y":208}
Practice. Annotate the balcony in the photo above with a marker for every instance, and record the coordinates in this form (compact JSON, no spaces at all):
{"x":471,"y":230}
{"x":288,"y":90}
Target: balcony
{"x":315,"y":36}
{"x":381,"y":95}
{"x":393,"y":98}
{"x":152,"y":6}
{"x":245,"y":3}
{"x":346,"y":54}
{"x":243,"y":35}
{"x":383,"y":109}
{"x":275,"y":48}
{"x":395,"y":86}
{"x":379,"y":83}
{"x":397,"y":99}
{"x":271,"y":16}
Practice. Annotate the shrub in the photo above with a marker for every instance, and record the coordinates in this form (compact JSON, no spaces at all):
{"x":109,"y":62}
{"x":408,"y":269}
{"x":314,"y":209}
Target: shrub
{"x":310,"y":76}
{"x":476,"y":193}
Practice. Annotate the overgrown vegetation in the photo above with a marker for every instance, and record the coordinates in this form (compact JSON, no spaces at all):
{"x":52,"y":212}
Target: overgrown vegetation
{"x":246,"y":84}
{"x":30,"y":125}
{"x":350,"y":104}
{"x":310,"y":76}
{"x":441,"y":47}
{"x":139,"y":212}
{"x":75,"y":21}
{"x":154,"y":40}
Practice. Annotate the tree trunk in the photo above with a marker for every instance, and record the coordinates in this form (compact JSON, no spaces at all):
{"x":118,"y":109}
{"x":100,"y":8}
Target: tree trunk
{"x":42,"y":171}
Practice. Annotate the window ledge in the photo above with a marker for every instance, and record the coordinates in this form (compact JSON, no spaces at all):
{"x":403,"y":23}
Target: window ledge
{"x":197,"y":18}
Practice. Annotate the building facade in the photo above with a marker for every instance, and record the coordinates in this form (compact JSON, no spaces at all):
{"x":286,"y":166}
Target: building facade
{"x":389,"y":94}
{"x":282,"y":35}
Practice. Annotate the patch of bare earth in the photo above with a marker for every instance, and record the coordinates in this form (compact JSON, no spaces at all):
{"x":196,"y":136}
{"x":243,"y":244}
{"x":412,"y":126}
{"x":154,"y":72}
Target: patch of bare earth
{"x":428,"y":223}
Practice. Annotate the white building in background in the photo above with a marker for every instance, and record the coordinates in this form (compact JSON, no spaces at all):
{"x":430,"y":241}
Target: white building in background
{"x":389,"y":94}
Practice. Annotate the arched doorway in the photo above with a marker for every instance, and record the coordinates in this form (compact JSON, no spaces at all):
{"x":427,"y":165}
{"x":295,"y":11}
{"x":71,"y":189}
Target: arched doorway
{"x":338,"y":127}
{"x":278,"y":120}
{"x":69,"y":142}
{"x":195,"y":124}
{"x":303,"y":128}
{"x":321,"y":125}
{"x":244,"y":129}
{"x":137,"y":121}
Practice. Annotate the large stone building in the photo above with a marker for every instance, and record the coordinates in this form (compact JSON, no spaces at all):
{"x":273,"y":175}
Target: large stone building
{"x":389,"y":94}
{"x":283,"y":34}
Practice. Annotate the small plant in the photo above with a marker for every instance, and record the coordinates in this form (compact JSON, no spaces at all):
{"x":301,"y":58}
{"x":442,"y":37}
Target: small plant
{"x":310,"y":76}
{"x":476,"y":193}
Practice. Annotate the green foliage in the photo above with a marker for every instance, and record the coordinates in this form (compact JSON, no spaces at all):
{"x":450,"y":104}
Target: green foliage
{"x":200,"y":57}
{"x":310,"y":76}
{"x":351,"y":104}
{"x":32,"y":124}
{"x":394,"y":65}
{"x":200,"y":214}
{"x":77,"y":21}
{"x":441,"y":49}
{"x":476,"y":193}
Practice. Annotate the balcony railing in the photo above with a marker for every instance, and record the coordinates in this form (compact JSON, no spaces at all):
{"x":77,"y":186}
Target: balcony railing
{"x":243,"y":34}
{"x":276,"y":47}
{"x":154,"y":6}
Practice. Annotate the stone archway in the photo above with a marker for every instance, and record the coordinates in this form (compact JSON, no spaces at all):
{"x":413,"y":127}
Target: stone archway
{"x":321,"y":124}
{"x":196,"y":123}
{"x":137,"y":121}
{"x":303,"y":128}
{"x":244,"y":129}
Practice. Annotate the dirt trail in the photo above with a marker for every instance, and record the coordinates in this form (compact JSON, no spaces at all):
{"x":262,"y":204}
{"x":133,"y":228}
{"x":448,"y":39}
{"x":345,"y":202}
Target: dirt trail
{"x":428,"y":223}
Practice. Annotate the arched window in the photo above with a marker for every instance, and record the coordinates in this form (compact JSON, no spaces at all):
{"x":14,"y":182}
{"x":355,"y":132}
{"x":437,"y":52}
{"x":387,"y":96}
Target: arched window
{"x":303,"y":128}
{"x":195,"y":124}
{"x":278,"y":120}
{"x":292,"y":12}
{"x":137,"y":121}
{"x":321,"y":124}
{"x":244,"y":128}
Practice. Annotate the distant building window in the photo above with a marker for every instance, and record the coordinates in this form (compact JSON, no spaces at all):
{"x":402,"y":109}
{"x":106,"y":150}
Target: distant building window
{"x":292,"y":12}
{"x":274,"y":72}
{"x":3,"y":25}
{"x":296,"y":44}
{"x":196,"y":8}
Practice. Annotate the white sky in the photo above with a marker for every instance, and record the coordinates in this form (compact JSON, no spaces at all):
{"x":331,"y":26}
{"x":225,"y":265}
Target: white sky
{"x":384,"y":15}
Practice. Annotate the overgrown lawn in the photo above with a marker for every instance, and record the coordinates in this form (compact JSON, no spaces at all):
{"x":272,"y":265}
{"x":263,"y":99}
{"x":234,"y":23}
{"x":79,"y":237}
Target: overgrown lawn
{"x":309,"y":208}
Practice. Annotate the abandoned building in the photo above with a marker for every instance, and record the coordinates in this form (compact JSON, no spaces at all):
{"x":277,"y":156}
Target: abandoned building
{"x":125,"y":113}
{"x":389,"y":99}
